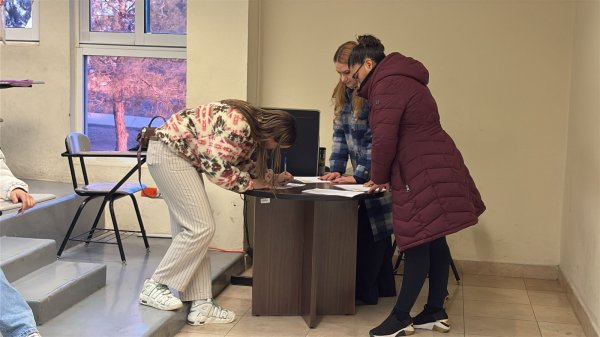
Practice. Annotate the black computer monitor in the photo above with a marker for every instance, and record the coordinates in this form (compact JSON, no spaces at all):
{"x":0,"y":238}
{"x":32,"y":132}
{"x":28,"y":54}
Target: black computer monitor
{"x":302,"y":157}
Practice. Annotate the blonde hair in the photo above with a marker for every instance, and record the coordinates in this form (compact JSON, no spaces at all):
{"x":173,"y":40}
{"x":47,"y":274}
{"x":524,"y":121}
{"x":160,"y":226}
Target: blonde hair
{"x":339,"y":92}
{"x":265,"y":124}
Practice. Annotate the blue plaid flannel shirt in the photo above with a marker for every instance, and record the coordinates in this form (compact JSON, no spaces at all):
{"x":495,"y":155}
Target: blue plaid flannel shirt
{"x":352,"y":138}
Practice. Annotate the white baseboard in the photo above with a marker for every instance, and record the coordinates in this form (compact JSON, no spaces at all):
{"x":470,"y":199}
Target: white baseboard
{"x":588,"y":326}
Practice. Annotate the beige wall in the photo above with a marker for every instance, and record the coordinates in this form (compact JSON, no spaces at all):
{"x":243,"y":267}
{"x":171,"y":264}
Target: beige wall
{"x":500,"y":73}
{"x":37,"y":119}
{"x":580,"y":239}
{"x":218,"y":40}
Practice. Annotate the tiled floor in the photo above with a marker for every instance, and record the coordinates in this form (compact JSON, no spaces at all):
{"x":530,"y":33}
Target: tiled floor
{"x":480,"y":306}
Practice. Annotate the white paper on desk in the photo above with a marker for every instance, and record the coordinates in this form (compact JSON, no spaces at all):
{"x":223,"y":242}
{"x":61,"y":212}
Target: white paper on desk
{"x":310,"y":180}
{"x":325,"y":191}
{"x":353,"y":187}
{"x":288,"y":185}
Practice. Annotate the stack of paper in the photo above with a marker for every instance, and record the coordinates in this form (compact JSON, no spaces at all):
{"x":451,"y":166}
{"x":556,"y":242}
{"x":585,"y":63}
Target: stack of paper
{"x":326,"y":191}
{"x":310,"y":180}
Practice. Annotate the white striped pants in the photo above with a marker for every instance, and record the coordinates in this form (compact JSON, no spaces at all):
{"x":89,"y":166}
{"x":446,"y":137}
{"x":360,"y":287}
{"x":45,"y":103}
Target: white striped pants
{"x":185,"y":266}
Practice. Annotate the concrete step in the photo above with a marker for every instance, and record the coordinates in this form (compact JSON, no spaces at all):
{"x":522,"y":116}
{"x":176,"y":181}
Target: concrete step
{"x":56,"y":287}
{"x":115,"y":310}
{"x":21,"y":256}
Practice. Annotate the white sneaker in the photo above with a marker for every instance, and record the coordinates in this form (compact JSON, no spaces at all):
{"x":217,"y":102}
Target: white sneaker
{"x":207,"y":312}
{"x":159,"y":296}
{"x":35,"y":334}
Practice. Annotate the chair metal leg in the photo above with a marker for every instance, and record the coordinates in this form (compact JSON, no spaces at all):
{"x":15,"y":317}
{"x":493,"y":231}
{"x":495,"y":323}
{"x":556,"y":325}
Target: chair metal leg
{"x":140,"y":222}
{"x":398,"y":261}
{"x":454,"y":271}
{"x":452,"y":265}
{"x":95,"y":224}
{"x":72,"y":226}
{"x":116,"y":228}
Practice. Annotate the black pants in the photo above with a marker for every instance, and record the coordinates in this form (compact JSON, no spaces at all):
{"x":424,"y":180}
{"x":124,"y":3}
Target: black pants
{"x":431,"y":258}
{"x":374,"y":267}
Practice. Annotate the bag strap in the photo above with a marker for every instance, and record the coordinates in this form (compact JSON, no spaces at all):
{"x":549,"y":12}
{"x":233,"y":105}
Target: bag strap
{"x":139,"y":149}
{"x":155,"y":117}
{"x":139,"y":157}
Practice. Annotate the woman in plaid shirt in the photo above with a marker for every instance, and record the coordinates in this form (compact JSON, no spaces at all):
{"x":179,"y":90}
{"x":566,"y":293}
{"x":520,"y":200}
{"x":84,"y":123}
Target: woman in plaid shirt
{"x":352,"y":139}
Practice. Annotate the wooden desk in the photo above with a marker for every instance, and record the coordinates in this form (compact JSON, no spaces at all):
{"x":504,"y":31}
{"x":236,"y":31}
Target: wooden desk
{"x":304,"y":260}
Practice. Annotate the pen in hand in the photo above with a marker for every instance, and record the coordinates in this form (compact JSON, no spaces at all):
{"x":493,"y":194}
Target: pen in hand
{"x":284,"y":164}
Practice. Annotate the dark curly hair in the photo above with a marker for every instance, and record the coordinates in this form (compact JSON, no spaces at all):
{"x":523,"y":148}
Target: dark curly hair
{"x":368,"y":47}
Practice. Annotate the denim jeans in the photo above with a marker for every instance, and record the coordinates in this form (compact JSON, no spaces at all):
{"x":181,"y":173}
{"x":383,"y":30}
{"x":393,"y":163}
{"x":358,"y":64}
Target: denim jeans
{"x":16,"y":318}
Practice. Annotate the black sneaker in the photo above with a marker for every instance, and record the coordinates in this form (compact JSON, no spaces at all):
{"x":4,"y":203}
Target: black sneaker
{"x":437,"y":321}
{"x":393,"y":327}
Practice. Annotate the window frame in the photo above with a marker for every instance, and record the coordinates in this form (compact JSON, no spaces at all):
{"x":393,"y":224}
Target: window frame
{"x":137,"y":44}
{"x":26,"y":34}
{"x":137,"y":38}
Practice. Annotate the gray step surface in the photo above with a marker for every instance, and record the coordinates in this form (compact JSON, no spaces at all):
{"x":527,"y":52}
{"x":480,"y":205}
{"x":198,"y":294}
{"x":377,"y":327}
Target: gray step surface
{"x":115,"y":310}
{"x":21,"y":256}
{"x":56,"y":287}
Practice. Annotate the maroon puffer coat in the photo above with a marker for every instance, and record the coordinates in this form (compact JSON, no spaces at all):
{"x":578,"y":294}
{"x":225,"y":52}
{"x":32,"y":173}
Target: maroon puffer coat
{"x":433,"y":192}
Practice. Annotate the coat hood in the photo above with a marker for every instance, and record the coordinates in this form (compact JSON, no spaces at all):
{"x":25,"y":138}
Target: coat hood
{"x":395,"y":64}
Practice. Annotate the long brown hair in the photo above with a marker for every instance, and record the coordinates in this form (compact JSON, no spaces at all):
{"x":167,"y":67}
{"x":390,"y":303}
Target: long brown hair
{"x":339,"y":92}
{"x":264,"y":124}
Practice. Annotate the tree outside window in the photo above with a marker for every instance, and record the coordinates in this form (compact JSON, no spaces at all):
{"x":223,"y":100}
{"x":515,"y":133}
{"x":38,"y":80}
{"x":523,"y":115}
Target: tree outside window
{"x":124,"y":93}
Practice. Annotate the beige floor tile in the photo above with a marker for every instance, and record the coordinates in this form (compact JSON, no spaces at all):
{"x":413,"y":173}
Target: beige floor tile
{"x":555,"y":314}
{"x":340,"y":326}
{"x":489,"y":294}
{"x":453,"y":306}
{"x":372,"y":315}
{"x":499,"y":310}
{"x":238,"y":292}
{"x":487,"y":326}
{"x":269,"y":326}
{"x":542,"y":285}
{"x":247,"y":272}
{"x":561,"y":330}
{"x":493,"y":281}
{"x":548,"y":298}
{"x":457,"y":324}
{"x":483,"y":306}
{"x":195,"y":334}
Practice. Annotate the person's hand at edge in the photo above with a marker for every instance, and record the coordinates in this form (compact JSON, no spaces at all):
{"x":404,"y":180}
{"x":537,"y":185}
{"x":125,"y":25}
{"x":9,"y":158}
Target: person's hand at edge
{"x":18,"y":195}
{"x":261,"y":184}
{"x":345,"y":180}
{"x":377,"y":187}
{"x":283,"y":178}
{"x":330,"y":176}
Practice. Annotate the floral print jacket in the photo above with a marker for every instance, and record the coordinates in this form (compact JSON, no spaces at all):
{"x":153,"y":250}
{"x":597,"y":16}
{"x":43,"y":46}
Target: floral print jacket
{"x":216,"y":139}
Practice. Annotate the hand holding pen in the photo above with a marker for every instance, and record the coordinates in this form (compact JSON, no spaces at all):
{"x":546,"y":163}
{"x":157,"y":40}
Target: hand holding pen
{"x":284,"y":177}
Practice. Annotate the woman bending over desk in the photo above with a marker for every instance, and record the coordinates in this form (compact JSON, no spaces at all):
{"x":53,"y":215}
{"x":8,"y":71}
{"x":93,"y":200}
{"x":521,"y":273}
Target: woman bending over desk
{"x":228,"y":141}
